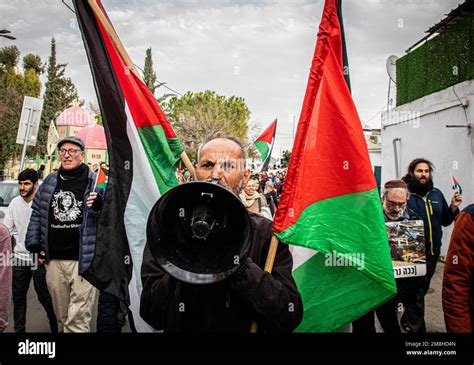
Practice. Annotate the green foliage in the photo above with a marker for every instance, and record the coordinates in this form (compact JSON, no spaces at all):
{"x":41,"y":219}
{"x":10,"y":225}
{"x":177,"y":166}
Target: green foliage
{"x":196,"y":116}
{"x":9,"y":56}
{"x":14,"y":86}
{"x":60,"y":93}
{"x":149,"y":78}
{"x":149,"y":75}
{"x":98,"y":120}
{"x":439,"y":63}
{"x":32,"y":61}
{"x":285,"y":160}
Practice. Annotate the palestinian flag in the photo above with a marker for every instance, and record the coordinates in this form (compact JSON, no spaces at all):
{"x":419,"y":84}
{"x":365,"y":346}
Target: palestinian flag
{"x":264,"y":144}
{"x":143,"y":150}
{"x":330,"y":204}
{"x":456,"y":185}
{"x":101,"y":180}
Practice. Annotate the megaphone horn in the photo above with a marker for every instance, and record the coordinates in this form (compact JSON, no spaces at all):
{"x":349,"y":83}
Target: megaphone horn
{"x":199,"y":232}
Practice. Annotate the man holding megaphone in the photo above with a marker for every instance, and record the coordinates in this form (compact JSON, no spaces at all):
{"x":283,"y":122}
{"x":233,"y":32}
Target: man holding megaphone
{"x":210,"y":225}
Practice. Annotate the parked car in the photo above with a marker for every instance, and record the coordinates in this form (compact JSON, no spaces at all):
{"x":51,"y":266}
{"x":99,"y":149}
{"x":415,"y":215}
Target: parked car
{"x":8,"y":190}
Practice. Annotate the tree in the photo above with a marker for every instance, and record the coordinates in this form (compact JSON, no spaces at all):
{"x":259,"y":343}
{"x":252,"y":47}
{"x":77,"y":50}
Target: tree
{"x":94,"y":107}
{"x":196,"y":116}
{"x":14,"y":86}
{"x":149,"y":74}
{"x":60,"y":93}
{"x":149,"y":78}
{"x":32,"y":61}
{"x":9,"y":57}
{"x":286,"y":158}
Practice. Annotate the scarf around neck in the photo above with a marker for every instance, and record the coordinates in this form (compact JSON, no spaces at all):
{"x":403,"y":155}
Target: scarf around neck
{"x":249,"y":200}
{"x":74,"y":173}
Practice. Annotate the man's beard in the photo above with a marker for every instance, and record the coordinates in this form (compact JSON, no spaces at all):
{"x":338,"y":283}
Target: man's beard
{"x":422,"y":189}
{"x":237,"y":190}
{"x":393,"y":216}
{"x":28,"y":192}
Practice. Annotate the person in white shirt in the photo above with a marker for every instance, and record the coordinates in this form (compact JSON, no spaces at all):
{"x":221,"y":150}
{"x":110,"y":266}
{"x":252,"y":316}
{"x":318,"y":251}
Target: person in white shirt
{"x":25,"y":265}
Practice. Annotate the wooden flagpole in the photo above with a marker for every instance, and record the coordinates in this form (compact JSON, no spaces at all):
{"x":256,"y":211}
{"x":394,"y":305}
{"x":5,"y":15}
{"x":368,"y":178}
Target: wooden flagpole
{"x":131,"y":66}
{"x":272,"y":250}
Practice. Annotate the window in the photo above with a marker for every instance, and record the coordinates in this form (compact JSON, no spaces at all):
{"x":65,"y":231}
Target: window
{"x":374,"y":139}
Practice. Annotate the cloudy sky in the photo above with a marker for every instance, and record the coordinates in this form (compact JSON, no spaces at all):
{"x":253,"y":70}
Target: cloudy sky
{"x":260,"y":50}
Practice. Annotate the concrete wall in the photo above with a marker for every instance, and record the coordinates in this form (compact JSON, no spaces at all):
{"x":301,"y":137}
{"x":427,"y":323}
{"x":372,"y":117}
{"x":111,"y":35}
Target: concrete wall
{"x":422,"y":129}
{"x":375,"y":158}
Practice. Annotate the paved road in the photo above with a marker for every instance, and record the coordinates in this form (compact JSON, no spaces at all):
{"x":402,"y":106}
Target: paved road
{"x":37,"y":321}
{"x":433,"y":307}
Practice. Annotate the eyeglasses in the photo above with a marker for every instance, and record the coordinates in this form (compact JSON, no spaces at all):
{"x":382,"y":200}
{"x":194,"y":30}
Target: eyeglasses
{"x":71,"y":151}
{"x":395,"y":204}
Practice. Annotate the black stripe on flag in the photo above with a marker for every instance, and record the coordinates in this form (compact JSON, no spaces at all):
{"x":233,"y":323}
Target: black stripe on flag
{"x":111,"y":269}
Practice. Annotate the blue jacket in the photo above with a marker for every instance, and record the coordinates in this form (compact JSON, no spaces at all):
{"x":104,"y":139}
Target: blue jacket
{"x":37,"y":234}
{"x":435,"y":212}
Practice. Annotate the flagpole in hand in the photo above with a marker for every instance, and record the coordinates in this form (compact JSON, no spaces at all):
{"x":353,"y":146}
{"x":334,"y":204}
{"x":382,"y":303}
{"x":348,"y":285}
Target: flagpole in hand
{"x":272,"y":250}
{"x":113,"y":36}
{"x":123,"y":53}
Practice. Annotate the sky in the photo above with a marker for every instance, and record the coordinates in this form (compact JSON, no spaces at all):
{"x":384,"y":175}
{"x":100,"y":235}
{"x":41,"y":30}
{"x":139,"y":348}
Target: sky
{"x":260,"y":50}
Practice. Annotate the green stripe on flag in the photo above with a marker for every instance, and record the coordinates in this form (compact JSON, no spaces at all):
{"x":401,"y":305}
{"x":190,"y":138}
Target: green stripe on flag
{"x":352,"y":272}
{"x":162,"y":154}
{"x":263,"y":148}
{"x":102,"y":186}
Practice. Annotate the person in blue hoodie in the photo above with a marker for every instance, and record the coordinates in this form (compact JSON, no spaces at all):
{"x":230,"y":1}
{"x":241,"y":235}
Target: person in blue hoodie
{"x":429,"y":203}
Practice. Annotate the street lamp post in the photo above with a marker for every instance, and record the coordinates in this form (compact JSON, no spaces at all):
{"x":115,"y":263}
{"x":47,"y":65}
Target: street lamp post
{"x":5,"y":33}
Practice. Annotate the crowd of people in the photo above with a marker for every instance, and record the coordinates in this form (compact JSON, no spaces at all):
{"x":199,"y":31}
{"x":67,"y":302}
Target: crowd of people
{"x":51,"y":230}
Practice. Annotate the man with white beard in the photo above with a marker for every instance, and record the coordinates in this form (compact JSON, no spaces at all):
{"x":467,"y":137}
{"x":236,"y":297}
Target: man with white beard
{"x":394,"y":202}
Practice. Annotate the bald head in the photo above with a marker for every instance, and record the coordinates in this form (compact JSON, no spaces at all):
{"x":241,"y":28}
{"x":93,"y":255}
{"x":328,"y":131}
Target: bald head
{"x":221,"y":139}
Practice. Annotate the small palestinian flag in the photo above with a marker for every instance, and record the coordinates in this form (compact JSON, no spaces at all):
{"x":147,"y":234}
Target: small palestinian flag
{"x":264,"y":144}
{"x":456,"y":185}
{"x":101,"y":181}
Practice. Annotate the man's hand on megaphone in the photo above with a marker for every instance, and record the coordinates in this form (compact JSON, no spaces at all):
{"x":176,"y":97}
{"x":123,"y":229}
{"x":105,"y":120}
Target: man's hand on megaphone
{"x":240,"y":274}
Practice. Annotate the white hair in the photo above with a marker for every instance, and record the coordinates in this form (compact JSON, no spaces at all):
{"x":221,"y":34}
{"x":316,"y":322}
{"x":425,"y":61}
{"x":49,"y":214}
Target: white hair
{"x":385,"y":191}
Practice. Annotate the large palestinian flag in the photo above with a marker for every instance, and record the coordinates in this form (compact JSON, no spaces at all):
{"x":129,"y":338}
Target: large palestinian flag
{"x":264,"y":144}
{"x":143,"y":150}
{"x":330,"y":204}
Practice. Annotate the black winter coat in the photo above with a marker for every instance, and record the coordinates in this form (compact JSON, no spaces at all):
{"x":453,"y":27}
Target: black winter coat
{"x":231,"y":305}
